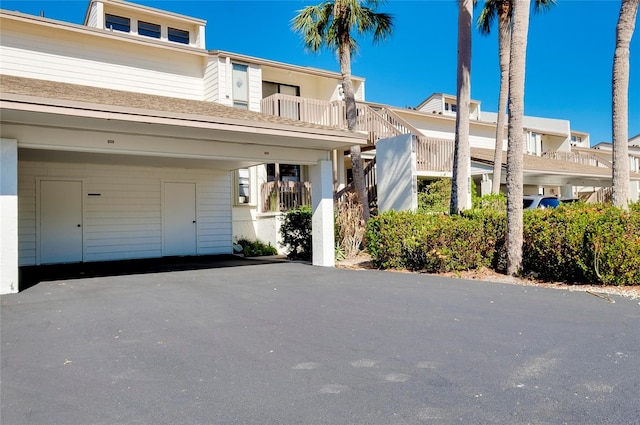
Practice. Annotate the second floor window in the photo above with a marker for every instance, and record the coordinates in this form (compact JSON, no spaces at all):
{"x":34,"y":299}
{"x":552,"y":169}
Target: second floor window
{"x":178,"y":36}
{"x":450,"y":107}
{"x":148,"y":29}
{"x":240,"y":89}
{"x":117,"y":23}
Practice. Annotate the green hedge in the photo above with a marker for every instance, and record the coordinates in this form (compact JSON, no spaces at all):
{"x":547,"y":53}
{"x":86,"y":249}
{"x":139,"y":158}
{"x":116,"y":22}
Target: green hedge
{"x":578,"y":243}
{"x":434,"y":242}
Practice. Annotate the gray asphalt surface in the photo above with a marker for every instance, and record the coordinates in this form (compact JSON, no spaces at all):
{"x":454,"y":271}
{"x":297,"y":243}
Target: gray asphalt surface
{"x":293,"y":344}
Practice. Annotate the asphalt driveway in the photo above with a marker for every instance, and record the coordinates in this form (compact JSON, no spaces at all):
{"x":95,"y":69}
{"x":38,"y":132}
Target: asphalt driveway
{"x":289,"y":343}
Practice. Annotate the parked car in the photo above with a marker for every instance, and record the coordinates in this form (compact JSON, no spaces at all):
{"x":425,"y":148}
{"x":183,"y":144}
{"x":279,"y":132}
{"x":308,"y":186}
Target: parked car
{"x":540,"y":201}
{"x":570,"y":200}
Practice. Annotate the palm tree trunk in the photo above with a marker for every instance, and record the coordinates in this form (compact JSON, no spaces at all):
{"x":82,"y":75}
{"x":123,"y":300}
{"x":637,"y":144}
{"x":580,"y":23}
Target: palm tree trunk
{"x":344,"y":56}
{"x":461,"y":184}
{"x":504,"y":43}
{"x":620,"y":103}
{"x":518,"y":53}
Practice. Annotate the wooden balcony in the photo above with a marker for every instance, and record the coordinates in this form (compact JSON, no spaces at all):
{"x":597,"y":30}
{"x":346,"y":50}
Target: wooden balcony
{"x":578,"y":158}
{"x":280,"y":196}
{"x":331,"y":114}
{"x":432,"y":154}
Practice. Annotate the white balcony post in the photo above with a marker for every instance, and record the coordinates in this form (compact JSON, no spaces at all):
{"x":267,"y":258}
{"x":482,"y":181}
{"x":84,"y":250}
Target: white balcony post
{"x":323,"y":244}
{"x":8,"y":216}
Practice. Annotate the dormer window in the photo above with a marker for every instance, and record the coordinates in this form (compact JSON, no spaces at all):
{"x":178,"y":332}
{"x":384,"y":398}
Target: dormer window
{"x":450,"y":107}
{"x":178,"y":36}
{"x":148,"y":29}
{"x":117,"y":23}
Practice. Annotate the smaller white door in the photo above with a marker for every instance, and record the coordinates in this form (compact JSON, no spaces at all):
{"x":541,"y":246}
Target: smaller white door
{"x":60,"y":221}
{"x":179,"y":219}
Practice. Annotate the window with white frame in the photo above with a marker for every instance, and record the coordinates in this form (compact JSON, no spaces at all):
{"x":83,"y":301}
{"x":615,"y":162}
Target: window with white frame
{"x":117,"y":23}
{"x":576,"y":140}
{"x":178,"y":36}
{"x":450,"y":107}
{"x":240,"y":88}
{"x":243,"y":186}
{"x":534,"y":143}
{"x":148,"y":29}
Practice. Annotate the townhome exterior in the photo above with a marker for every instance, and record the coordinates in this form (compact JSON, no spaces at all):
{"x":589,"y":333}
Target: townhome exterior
{"x":126,"y":138}
{"x":119,"y":140}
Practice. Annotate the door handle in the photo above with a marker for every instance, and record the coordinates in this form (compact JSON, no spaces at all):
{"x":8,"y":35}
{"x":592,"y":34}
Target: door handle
{"x":194,"y":222}
{"x":79,"y":225}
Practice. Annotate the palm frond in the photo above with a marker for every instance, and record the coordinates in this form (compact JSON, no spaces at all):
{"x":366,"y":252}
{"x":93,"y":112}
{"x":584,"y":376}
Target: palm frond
{"x":543,"y":5}
{"x":311,"y":23}
{"x":488,"y":15}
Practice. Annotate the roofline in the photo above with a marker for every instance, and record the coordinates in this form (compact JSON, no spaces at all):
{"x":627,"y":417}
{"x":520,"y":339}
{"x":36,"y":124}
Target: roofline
{"x":147,"y":9}
{"x":82,"y":29}
{"x":444,"y":95}
{"x":281,"y":65}
{"x":94,"y":110}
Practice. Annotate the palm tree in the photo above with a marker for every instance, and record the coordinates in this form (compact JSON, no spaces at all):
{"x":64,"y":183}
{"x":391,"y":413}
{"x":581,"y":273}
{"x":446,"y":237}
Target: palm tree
{"x":518,"y":55}
{"x":460,"y":183}
{"x":331,"y":24}
{"x":620,"y":103}
{"x":501,"y":9}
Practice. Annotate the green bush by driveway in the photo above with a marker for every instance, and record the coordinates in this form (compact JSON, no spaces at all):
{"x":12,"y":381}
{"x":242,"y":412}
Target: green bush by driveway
{"x":578,"y":243}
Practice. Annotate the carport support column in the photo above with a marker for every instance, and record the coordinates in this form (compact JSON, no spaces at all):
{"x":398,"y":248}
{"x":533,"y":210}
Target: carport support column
{"x":566,"y":191}
{"x":8,"y":216}
{"x":322,"y":232}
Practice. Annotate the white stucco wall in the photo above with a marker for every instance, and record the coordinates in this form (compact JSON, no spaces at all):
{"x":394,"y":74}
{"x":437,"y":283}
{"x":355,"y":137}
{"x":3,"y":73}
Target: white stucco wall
{"x":8,"y":216}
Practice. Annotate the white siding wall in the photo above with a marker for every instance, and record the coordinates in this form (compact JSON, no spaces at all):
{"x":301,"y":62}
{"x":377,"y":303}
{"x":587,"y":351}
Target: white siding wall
{"x":224,"y":82}
{"x":255,"y":87}
{"x":434,"y":104}
{"x":125,"y":221}
{"x":93,"y":16}
{"x":93,"y":61}
{"x":211,"y":84}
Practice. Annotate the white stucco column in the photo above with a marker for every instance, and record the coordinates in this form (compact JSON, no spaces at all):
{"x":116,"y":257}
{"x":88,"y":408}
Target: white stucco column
{"x":566,"y":191}
{"x":8,"y":216}
{"x":485,"y":185}
{"x":322,"y":220}
{"x":634,"y":190}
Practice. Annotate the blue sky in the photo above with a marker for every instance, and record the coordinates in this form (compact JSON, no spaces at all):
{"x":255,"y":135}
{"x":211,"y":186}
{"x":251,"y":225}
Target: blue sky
{"x":569,"y":56}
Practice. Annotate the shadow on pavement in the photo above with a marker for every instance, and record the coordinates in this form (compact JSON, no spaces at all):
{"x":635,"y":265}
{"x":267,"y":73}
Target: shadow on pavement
{"x":32,"y":275}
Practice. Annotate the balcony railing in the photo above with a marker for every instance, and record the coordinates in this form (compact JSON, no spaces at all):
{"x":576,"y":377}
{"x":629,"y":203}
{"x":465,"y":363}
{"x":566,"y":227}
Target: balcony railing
{"x":331,"y":114}
{"x":431,"y":154}
{"x":280,"y":196}
{"x":578,"y":158}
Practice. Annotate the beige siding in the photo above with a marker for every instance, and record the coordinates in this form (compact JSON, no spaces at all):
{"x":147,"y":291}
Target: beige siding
{"x":211,"y":83}
{"x":98,"y":62}
{"x":125,"y":220}
{"x":93,"y":16}
{"x":434,"y":104}
{"x":255,"y":87}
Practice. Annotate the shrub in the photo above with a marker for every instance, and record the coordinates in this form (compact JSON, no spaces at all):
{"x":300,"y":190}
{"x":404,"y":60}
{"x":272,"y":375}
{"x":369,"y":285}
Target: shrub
{"x":579,"y":243}
{"x":256,"y":248}
{"x":435,"y":195}
{"x":296,"y":233}
{"x":430,"y":242}
{"x":349,"y":226}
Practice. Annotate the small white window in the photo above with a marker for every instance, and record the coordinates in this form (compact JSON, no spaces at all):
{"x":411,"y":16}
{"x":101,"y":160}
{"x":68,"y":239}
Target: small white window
{"x":240,"y":86}
{"x":117,"y":23}
{"x":178,"y":36}
{"x":243,"y":178}
{"x":148,"y":29}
